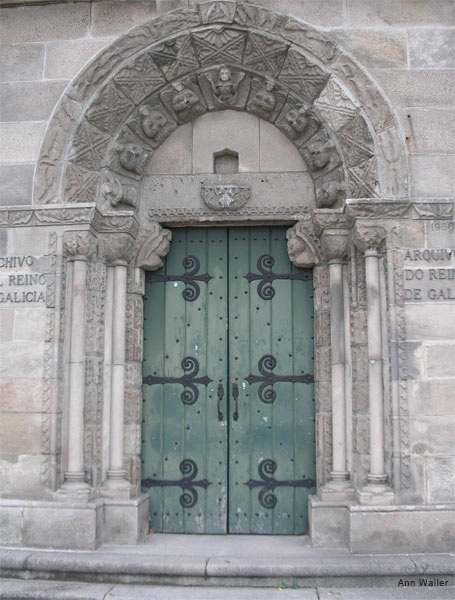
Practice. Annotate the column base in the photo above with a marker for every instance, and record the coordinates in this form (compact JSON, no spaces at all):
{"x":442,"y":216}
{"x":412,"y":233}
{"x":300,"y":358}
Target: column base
{"x":116,"y":486}
{"x":338,"y":488}
{"x":74,"y":488}
{"x":377,"y":491}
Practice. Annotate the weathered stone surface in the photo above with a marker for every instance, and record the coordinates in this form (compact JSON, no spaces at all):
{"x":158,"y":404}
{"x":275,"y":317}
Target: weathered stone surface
{"x":428,"y":131}
{"x":22,"y":359}
{"x":433,"y":397}
{"x":440,"y":360}
{"x":432,"y":435}
{"x":441,"y":483}
{"x":21,"y":62}
{"x":383,"y":13}
{"x":126,"y":521}
{"x":114,"y":18}
{"x":432,"y":175}
{"x":417,"y":88}
{"x":174,"y":156}
{"x":404,"y":531}
{"x":20,"y":433}
{"x":431,"y":48}
{"x":37,"y":23}
{"x":19,"y":396}
{"x":440,"y":234}
{"x":29,"y":101}
{"x":381,"y":49}
{"x":17,"y":184}
{"x":6,"y":330}
{"x":19,"y":142}
{"x":329,"y":525}
{"x":65,"y":59}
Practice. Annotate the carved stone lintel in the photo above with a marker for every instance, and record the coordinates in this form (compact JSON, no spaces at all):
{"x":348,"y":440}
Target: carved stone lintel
{"x":369,"y":237}
{"x":155,"y":246}
{"x":225,"y":197}
{"x":335,"y":243}
{"x":302,"y":250}
{"x":80,"y":245}
{"x":117,"y":248}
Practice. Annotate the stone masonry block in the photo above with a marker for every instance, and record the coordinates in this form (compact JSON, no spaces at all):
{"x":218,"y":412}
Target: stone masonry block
{"x":20,"y":473}
{"x":21,"y":62}
{"x":414,"y":353}
{"x":22,"y":359}
{"x":37,"y":23}
{"x":20,"y":396}
{"x":440,"y":234}
{"x":6,"y":326}
{"x":20,"y":433}
{"x":329,"y":13}
{"x":276,"y":152}
{"x":236,"y":131}
{"x":406,"y":531}
{"x":432,"y":48}
{"x":431,"y":397}
{"x":65,"y":59}
{"x":428,"y":131}
{"x":174,"y":155}
{"x":441,"y":361}
{"x":11,"y":526}
{"x":33,"y":101}
{"x":19,"y":142}
{"x":377,"y":13}
{"x":417,"y":88}
{"x":423,"y":322}
{"x":380,"y":49}
{"x":432,"y":175}
{"x":441,"y":479}
{"x":114,"y":18}
{"x":17,"y":184}
{"x":413,"y":234}
{"x":432,"y":435}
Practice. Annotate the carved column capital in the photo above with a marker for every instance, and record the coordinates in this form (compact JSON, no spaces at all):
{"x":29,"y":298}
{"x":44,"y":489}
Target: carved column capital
{"x":302,"y":249}
{"x":155,"y":246}
{"x":368,"y":238}
{"x":80,"y":245}
{"x":335,"y":243}
{"x":117,"y":248}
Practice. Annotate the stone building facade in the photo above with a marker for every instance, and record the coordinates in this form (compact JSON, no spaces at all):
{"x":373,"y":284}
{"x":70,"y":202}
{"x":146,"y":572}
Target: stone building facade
{"x":122,"y":121}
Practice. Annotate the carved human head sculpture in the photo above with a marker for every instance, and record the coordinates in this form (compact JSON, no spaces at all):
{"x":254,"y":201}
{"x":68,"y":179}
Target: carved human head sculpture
{"x":183,"y":98}
{"x":152,"y":121}
{"x":224,"y":74}
{"x":265,"y":99}
{"x":319,"y":155}
{"x":329,"y":193}
{"x":300,"y":249}
{"x":155,"y":247}
{"x":131,"y":156}
{"x":296,"y":121}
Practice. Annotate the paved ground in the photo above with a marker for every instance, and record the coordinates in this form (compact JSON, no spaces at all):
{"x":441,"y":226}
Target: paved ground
{"x":41,"y":590}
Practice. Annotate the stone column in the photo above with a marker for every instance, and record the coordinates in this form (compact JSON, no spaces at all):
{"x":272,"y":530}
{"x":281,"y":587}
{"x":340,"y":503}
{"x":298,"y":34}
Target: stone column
{"x":118,"y":250}
{"x":79,"y":247}
{"x":335,"y":243}
{"x":368,"y":239}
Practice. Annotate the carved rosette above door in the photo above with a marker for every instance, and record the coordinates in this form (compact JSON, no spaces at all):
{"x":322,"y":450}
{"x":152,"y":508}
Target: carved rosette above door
{"x":219,"y":55}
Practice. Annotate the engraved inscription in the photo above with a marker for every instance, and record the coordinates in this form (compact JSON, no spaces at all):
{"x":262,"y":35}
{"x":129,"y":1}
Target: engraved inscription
{"x":21,"y":288}
{"x":429,"y":275}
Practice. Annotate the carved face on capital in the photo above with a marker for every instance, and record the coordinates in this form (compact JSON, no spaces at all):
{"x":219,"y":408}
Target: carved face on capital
{"x":129,"y":156}
{"x":152,"y":121}
{"x":299,"y":252}
{"x":183,"y":98}
{"x":225,"y":74}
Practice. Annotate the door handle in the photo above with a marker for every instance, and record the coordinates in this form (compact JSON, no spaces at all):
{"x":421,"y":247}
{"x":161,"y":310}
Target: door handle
{"x":220,"y":394}
{"x":235,"y":395}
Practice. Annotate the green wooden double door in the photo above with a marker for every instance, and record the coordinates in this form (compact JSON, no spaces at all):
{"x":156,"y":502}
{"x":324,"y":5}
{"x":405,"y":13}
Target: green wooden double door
{"x":228,"y":442}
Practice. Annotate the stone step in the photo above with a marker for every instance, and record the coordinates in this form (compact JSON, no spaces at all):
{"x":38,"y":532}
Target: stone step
{"x":14,"y":589}
{"x":235,"y":561}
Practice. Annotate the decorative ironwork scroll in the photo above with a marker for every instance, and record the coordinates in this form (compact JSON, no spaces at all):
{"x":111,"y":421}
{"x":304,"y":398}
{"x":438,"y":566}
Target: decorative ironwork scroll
{"x":189,"y":470}
{"x":268,"y":483}
{"x":190,"y":278}
{"x":266,"y":365}
{"x":266,"y":276}
{"x":191,"y":368}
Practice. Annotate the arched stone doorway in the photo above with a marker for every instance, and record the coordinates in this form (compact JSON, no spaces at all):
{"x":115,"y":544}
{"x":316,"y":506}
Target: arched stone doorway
{"x":219,"y":57}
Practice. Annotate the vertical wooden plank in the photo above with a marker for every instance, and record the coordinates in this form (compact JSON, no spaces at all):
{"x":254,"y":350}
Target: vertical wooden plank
{"x":239,"y":365}
{"x":283,"y":406}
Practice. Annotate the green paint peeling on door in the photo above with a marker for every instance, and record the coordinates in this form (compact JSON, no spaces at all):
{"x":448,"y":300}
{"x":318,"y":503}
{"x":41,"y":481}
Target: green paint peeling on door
{"x":228,"y":414}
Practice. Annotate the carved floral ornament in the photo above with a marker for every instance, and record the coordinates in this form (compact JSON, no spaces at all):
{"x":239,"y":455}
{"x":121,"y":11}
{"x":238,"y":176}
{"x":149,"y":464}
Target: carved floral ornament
{"x":219,"y":55}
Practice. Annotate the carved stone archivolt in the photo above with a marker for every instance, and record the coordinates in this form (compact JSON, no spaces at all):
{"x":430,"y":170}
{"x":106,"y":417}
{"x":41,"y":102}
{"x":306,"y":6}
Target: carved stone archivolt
{"x":221,"y":55}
